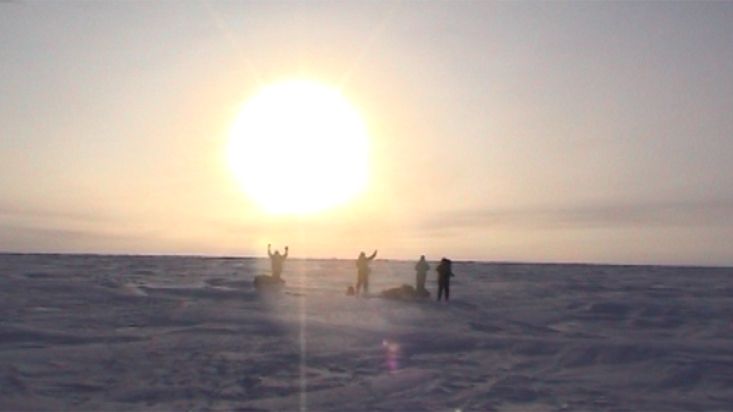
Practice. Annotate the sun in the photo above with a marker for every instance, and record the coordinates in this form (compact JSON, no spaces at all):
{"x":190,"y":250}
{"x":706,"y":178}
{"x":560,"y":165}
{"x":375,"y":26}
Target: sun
{"x":299,"y":147}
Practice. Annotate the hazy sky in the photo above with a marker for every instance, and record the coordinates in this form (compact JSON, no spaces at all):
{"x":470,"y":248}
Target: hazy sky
{"x":522,"y":131}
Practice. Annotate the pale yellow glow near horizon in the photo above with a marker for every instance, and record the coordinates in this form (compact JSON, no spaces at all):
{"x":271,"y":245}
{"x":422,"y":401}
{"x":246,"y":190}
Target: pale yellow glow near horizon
{"x":299,"y":147}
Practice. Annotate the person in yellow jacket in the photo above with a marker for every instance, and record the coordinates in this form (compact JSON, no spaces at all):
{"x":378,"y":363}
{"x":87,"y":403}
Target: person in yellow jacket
{"x":276,"y":261}
{"x":362,"y":271}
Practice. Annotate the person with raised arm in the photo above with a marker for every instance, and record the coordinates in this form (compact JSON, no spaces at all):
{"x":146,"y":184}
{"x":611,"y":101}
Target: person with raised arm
{"x":362,"y":272}
{"x":276,"y":261}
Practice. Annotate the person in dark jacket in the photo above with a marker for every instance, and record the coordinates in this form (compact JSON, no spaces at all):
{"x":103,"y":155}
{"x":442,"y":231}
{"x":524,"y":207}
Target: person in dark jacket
{"x":362,"y":271}
{"x":444,"y":274}
{"x":421,"y":267}
{"x":276,"y":261}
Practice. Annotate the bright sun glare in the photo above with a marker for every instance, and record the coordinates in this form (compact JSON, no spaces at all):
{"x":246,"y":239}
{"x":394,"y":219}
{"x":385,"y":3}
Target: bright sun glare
{"x":299,"y":147}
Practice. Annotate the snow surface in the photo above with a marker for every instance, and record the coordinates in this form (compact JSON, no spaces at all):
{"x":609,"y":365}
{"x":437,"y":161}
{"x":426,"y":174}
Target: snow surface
{"x":191,"y":333}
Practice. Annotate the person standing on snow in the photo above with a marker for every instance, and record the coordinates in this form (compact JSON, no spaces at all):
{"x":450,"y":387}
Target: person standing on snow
{"x":362,"y":271}
{"x":444,"y":274}
{"x":276,"y":261}
{"x":421,"y":267}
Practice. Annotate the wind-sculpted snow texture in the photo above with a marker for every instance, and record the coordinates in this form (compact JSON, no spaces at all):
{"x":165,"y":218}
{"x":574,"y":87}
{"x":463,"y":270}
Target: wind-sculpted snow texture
{"x":189,"y":333}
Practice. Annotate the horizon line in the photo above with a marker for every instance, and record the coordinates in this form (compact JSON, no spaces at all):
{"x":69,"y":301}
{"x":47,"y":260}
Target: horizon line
{"x":494,"y":262}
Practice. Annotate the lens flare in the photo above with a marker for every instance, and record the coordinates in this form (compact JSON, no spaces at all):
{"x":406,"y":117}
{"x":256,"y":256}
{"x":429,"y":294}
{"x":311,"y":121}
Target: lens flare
{"x":392,"y":354}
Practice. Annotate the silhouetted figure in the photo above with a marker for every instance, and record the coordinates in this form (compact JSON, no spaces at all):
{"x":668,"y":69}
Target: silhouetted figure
{"x":421,"y":268}
{"x":444,"y":275}
{"x":362,"y":271}
{"x":276,"y":260}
